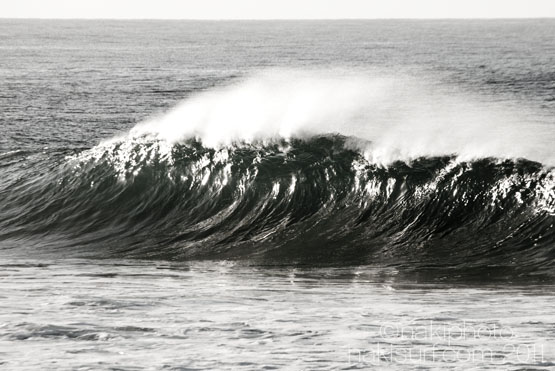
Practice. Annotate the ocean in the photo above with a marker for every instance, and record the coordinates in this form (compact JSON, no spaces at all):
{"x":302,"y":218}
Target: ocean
{"x":300,"y":195}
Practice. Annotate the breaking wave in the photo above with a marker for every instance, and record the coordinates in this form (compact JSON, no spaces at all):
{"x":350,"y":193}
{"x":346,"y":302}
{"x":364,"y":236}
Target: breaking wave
{"x":299,"y":200}
{"x":281,"y":192}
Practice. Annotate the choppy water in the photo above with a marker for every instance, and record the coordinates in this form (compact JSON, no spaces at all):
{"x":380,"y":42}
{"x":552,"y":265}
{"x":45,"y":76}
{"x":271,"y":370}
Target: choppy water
{"x":153,"y":315}
{"x":299,"y":195}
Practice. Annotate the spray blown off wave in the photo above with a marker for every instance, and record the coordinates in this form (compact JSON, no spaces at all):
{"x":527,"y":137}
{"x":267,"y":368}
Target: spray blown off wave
{"x":402,"y":117}
{"x":182,"y":187}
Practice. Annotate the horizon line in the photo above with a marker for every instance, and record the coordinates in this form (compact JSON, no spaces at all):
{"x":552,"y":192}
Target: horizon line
{"x":279,"y":19}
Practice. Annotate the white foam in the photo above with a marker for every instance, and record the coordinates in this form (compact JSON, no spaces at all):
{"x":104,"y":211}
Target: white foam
{"x":403,"y":117}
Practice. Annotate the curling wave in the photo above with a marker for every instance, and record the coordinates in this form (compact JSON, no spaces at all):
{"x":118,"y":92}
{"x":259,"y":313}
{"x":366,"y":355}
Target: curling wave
{"x":313,"y":200}
{"x":250,"y":171}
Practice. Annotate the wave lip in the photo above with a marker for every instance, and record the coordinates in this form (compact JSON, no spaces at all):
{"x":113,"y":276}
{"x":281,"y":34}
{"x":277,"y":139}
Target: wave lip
{"x":315,"y":200}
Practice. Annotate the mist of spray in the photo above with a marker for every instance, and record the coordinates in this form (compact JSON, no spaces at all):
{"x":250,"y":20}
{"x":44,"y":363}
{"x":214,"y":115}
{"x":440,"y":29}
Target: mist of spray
{"x":393,"y":117}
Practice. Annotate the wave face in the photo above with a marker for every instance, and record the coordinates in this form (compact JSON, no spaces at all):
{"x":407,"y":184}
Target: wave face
{"x":315,"y":200}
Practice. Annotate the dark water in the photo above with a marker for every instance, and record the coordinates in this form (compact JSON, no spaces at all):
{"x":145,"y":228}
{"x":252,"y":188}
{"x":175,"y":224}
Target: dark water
{"x":301,"y":157}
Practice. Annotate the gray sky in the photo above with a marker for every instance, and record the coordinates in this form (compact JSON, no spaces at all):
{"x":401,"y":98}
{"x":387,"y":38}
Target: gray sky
{"x":276,"y":9}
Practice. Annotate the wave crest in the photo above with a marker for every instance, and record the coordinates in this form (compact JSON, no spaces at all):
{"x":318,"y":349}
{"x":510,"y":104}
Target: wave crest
{"x":402,"y":117}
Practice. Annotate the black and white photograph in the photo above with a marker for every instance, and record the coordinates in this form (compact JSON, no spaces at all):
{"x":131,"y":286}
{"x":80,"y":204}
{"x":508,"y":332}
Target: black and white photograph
{"x":277,"y":185}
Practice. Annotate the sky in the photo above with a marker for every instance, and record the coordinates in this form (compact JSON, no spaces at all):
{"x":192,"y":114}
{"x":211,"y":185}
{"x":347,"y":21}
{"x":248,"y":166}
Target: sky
{"x":276,"y":9}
